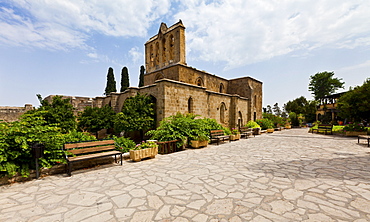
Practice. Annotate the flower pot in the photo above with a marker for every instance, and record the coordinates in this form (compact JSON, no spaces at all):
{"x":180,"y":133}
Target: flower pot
{"x":234,"y":137}
{"x":288,"y":127}
{"x":256,"y":131}
{"x":197,"y":144}
{"x":355,"y":133}
{"x":137,"y":155}
{"x":270,"y":130}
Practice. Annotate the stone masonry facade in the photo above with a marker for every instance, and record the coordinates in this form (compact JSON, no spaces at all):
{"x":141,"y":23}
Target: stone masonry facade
{"x":176,"y":87}
{"x":11,"y":114}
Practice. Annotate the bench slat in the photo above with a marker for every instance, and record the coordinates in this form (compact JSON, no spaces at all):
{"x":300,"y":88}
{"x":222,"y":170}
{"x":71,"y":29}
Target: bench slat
{"x":89,"y":150}
{"x":92,"y":149}
{"x":91,"y":156}
{"x":88,"y":144}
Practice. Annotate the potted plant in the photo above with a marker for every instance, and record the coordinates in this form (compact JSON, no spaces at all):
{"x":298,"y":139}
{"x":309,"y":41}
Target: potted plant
{"x":144,"y":150}
{"x":256,"y":128}
{"x":266,"y":124}
{"x":199,"y":141}
{"x":355,"y":129}
{"x":235,"y":134}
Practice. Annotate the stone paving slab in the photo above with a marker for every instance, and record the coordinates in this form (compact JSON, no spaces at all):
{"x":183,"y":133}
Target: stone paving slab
{"x":289,"y":175}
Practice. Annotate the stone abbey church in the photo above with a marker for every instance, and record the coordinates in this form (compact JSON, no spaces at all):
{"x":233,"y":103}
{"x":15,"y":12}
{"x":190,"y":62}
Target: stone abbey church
{"x":176,"y":87}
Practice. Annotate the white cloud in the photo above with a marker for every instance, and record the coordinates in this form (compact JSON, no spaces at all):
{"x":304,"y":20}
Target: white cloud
{"x":136,"y":55}
{"x":61,"y":24}
{"x":242,"y":32}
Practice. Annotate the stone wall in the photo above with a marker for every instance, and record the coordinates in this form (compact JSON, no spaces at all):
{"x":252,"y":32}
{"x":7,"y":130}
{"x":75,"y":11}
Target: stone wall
{"x":79,"y":103}
{"x":172,"y":96}
{"x":249,"y":88}
{"x":11,"y":114}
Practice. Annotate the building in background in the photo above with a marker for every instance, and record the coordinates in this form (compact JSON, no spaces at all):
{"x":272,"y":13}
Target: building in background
{"x":176,"y":87}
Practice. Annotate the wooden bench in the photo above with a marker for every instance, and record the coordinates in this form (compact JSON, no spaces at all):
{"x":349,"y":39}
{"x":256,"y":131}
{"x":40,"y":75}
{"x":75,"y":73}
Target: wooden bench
{"x":324,"y":127}
{"x":219,"y":135}
{"x":245,"y":131}
{"x":81,"y":151}
{"x":366,"y":137}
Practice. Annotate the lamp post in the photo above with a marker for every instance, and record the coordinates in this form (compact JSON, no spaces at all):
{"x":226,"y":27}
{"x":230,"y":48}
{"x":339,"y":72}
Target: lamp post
{"x":37,"y":152}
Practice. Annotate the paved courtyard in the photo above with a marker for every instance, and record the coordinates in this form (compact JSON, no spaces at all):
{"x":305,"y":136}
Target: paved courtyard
{"x":289,"y":175}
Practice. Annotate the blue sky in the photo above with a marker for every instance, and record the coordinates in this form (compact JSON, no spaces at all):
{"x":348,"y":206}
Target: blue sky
{"x":66,"y":46}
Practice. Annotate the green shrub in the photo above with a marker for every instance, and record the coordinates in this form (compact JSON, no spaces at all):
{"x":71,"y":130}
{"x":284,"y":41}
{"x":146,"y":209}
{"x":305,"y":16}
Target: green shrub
{"x":183,"y":126}
{"x":265,"y":123}
{"x":252,"y":124}
{"x":357,"y":127}
{"x":144,"y":145}
{"x":124,"y":144}
{"x":17,"y":138}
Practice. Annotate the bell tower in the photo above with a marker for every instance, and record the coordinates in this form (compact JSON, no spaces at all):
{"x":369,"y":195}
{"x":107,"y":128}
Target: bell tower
{"x":166,"y":48}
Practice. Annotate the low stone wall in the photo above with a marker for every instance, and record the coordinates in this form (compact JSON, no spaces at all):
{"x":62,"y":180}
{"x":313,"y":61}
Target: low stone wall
{"x":11,"y":114}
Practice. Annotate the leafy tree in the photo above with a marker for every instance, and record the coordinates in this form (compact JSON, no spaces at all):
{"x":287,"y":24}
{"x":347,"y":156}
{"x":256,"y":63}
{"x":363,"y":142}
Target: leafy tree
{"x":137,"y":115}
{"x":355,"y":104}
{"x":277,"y":109}
{"x":303,"y":106}
{"x":125,"y":83}
{"x":297,"y":105}
{"x":59,"y":112}
{"x":294,"y":119}
{"x":94,"y":119}
{"x":323,"y":84}
{"x":310,"y":111}
{"x":111,"y":82}
{"x":141,"y":77}
{"x":268,"y":109}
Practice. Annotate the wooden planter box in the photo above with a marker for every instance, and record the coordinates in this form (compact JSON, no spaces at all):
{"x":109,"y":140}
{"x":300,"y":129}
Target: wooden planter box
{"x":355,"y":133}
{"x":288,"y":127}
{"x":197,"y":144}
{"x":270,"y":130}
{"x":137,"y":155}
{"x":256,"y":131}
{"x":234,"y":137}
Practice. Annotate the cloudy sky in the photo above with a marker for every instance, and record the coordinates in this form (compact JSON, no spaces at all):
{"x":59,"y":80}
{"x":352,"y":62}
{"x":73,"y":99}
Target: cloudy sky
{"x":65,"y":47}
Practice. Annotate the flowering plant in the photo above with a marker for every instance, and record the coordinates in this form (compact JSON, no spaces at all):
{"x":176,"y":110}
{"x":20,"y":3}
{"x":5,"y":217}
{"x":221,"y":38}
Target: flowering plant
{"x":144,"y":145}
{"x":235,"y":131}
{"x":358,"y":127}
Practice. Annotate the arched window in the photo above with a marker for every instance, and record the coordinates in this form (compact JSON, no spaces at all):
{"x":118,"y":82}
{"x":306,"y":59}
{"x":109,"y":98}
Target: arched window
{"x":221,"y":88}
{"x":159,"y":76}
{"x":151,"y":56}
{"x":222,"y":112}
{"x":190,"y":105}
{"x":157,"y":53}
{"x":255,"y":101}
{"x":199,"y":82}
{"x":163,"y":50}
{"x":240,"y":119}
{"x":172,"y":45}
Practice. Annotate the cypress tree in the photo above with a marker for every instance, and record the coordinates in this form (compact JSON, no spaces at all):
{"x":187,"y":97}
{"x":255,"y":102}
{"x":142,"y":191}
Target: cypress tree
{"x":141,"y":77}
{"x":111,"y":83}
{"x":125,"y":83}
